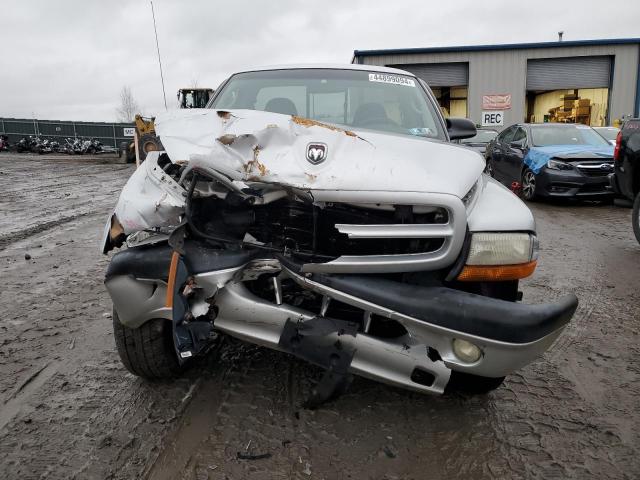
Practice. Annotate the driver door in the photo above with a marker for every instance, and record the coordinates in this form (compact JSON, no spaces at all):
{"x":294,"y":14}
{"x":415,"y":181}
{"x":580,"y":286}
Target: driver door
{"x":498,"y":151}
{"x":515,"y":152}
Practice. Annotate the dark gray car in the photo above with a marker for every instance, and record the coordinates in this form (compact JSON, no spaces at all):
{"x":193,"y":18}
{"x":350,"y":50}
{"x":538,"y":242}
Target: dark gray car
{"x":552,"y":160}
{"x":480,"y":140}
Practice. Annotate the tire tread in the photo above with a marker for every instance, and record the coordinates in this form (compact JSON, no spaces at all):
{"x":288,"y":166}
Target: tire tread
{"x":147,"y":351}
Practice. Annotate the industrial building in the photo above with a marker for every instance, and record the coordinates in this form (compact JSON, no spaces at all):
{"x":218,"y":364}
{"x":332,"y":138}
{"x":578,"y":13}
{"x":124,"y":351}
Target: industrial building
{"x":595,"y":82}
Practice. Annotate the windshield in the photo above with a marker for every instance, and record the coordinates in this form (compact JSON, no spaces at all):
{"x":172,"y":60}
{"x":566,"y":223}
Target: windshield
{"x":355,"y":99}
{"x":545,"y":135}
{"x":609,"y":133}
{"x":483,"y":136}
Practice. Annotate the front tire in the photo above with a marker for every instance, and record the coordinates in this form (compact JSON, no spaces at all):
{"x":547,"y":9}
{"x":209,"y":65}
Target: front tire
{"x":528,"y":184}
{"x":635,"y":217}
{"x":147,"y":351}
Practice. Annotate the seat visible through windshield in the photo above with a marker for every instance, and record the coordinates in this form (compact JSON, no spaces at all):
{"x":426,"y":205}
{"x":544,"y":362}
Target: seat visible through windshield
{"x":350,"y":98}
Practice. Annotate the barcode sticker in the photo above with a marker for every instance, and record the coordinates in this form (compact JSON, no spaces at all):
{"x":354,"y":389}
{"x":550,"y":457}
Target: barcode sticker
{"x":394,"y":79}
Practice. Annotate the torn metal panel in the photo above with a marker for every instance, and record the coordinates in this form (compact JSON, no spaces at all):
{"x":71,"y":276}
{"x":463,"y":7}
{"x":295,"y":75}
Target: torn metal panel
{"x":253,"y":146}
{"x":150,"y":199}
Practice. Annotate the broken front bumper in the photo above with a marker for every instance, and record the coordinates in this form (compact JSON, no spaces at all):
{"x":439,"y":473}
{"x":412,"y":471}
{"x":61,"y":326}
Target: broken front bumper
{"x":509,"y":335}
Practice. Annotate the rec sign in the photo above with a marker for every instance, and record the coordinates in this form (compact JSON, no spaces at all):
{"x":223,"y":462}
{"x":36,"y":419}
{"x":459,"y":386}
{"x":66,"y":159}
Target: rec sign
{"x":492,"y":118}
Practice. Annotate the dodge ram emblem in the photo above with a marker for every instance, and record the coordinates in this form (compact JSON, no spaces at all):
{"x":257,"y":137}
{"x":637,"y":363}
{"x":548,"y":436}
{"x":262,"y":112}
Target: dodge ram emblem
{"x":317,"y":152}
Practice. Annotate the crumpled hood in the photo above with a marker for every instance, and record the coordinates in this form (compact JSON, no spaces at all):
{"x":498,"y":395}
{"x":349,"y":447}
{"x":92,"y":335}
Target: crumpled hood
{"x":253,"y":146}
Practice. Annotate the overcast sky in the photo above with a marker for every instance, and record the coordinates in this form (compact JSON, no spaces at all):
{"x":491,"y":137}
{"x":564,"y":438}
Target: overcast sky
{"x":69,"y":59}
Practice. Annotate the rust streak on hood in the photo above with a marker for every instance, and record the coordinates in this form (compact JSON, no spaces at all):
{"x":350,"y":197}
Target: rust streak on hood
{"x":307,"y":122}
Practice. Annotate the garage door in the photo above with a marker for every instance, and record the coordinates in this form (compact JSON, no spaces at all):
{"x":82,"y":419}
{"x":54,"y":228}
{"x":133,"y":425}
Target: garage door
{"x":565,"y":73}
{"x":440,"y":74}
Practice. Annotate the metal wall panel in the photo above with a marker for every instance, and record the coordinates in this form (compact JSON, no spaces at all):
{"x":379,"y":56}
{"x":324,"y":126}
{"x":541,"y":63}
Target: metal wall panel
{"x":455,"y":74}
{"x":571,"y":72}
{"x":505,"y":71}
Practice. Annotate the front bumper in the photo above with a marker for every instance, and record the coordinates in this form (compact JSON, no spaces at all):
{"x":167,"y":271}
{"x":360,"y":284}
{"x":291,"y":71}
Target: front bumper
{"x":572,"y":184}
{"x":510,"y":335}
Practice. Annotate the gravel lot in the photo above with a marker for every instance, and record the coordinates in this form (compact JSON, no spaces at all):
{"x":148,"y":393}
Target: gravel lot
{"x":70,"y":410}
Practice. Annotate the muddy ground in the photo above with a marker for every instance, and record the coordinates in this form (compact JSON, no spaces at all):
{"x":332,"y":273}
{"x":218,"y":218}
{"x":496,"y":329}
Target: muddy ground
{"x":68,"y":409}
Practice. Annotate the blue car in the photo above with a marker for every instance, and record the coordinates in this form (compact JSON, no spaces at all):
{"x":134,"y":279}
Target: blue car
{"x":561,"y":160}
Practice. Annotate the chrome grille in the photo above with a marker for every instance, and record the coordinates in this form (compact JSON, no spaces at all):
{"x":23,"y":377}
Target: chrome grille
{"x":450,"y":233}
{"x":596,"y":169}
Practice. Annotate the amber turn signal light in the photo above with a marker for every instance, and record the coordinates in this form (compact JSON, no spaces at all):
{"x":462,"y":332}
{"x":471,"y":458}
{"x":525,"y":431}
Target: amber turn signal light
{"x":496,"y":273}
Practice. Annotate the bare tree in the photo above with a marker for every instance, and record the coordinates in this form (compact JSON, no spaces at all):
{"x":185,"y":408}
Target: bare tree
{"x":128,"y":108}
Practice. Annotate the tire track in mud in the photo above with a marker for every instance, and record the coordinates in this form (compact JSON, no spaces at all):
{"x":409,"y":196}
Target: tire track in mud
{"x":27,"y":387}
{"x":241,"y":408}
{"x":45,"y":193}
{"x":12,"y":237}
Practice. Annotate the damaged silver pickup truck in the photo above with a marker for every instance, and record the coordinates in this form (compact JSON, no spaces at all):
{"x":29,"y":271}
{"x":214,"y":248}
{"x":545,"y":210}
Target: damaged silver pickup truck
{"x":322,"y":211}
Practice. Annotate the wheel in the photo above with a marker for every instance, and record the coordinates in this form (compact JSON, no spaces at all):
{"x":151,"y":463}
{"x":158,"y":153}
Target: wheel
{"x":147,"y":351}
{"x":635,"y":217}
{"x":148,"y":143}
{"x":528,"y":184}
{"x":472,"y":384}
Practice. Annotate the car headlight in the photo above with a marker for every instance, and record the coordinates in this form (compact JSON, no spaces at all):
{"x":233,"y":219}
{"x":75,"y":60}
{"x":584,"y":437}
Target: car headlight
{"x":558,"y":165}
{"x":495,"y":256}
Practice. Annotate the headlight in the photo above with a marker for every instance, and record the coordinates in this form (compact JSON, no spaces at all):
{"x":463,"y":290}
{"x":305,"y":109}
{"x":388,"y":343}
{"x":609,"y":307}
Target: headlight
{"x":500,"y":256}
{"x":502,"y":248}
{"x":558,"y":165}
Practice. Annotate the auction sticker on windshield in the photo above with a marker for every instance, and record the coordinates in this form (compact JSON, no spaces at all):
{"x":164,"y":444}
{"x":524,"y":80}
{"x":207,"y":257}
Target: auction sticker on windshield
{"x":395,"y":79}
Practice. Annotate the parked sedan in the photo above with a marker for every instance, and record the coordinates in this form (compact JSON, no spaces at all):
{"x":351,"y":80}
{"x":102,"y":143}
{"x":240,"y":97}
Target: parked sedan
{"x":552,"y":160}
{"x":480,"y":140}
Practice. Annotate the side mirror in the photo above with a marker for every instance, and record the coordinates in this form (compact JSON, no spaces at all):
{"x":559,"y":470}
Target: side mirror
{"x":460,"y":128}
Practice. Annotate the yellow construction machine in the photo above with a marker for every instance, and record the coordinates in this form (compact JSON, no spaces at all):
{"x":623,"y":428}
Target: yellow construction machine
{"x":145,"y":139}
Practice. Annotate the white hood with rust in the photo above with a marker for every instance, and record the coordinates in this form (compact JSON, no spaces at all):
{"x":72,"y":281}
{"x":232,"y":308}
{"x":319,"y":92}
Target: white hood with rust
{"x":251,"y":146}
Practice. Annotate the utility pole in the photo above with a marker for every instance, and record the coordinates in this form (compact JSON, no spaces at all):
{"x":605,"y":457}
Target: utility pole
{"x":164,"y":95}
